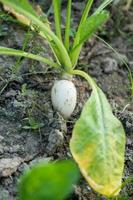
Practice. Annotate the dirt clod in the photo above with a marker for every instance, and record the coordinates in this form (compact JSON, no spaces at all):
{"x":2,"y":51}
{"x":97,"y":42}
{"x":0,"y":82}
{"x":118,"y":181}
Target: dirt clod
{"x":9,"y":166}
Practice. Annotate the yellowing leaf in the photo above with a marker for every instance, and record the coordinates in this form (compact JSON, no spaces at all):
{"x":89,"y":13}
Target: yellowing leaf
{"x":98,"y":144}
{"x":20,"y":17}
{"x":24,"y":20}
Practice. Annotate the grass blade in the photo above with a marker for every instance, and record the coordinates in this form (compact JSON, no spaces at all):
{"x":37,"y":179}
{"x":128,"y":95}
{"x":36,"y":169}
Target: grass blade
{"x":68,"y":23}
{"x":14,"y":52}
{"x":26,"y":40}
{"x":57,"y":17}
{"x":121,"y":59}
{"x":103,"y":6}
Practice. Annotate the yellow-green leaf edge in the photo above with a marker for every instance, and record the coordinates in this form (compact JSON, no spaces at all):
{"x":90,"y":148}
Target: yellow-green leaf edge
{"x":98,"y":145}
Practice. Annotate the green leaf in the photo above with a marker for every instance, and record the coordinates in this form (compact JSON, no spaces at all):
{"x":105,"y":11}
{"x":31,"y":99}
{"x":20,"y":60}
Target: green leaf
{"x":98,"y":144}
{"x":76,"y":40}
{"x":57,"y":17}
{"x":86,"y":11}
{"x":52,"y":181}
{"x":76,"y":48}
{"x":68,"y":23}
{"x":83,"y":18}
{"x":87,"y":29}
{"x":14,"y":52}
{"x":91,"y":25}
{"x":44,"y":30}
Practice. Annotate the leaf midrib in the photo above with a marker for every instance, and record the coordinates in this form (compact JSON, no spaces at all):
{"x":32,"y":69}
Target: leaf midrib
{"x":103,"y":126}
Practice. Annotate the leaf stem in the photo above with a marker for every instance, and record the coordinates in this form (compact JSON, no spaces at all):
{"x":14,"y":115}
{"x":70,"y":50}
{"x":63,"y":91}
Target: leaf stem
{"x":74,"y":56}
{"x":14,"y":52}
{"x":68,"y":22}
{"x":85,"y":76}
{"x":56,"y":6}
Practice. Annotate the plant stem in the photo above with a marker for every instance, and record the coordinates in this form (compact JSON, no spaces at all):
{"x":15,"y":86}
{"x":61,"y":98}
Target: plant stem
{"x":75,"y":55}
{"x":85,"y":76}
{"x":68,"y":22}
{"x":14,"y":52}
{"x":57,"y":17}
{"x":86,"y":12}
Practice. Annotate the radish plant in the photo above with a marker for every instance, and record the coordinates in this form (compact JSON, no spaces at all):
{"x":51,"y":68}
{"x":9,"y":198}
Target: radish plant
{"x":98,"y":138}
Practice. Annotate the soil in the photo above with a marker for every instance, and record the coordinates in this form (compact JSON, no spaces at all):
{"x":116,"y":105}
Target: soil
{"x":25,"y":98}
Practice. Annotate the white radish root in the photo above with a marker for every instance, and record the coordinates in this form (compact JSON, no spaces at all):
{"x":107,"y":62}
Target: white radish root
{"x":64,"y":97}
